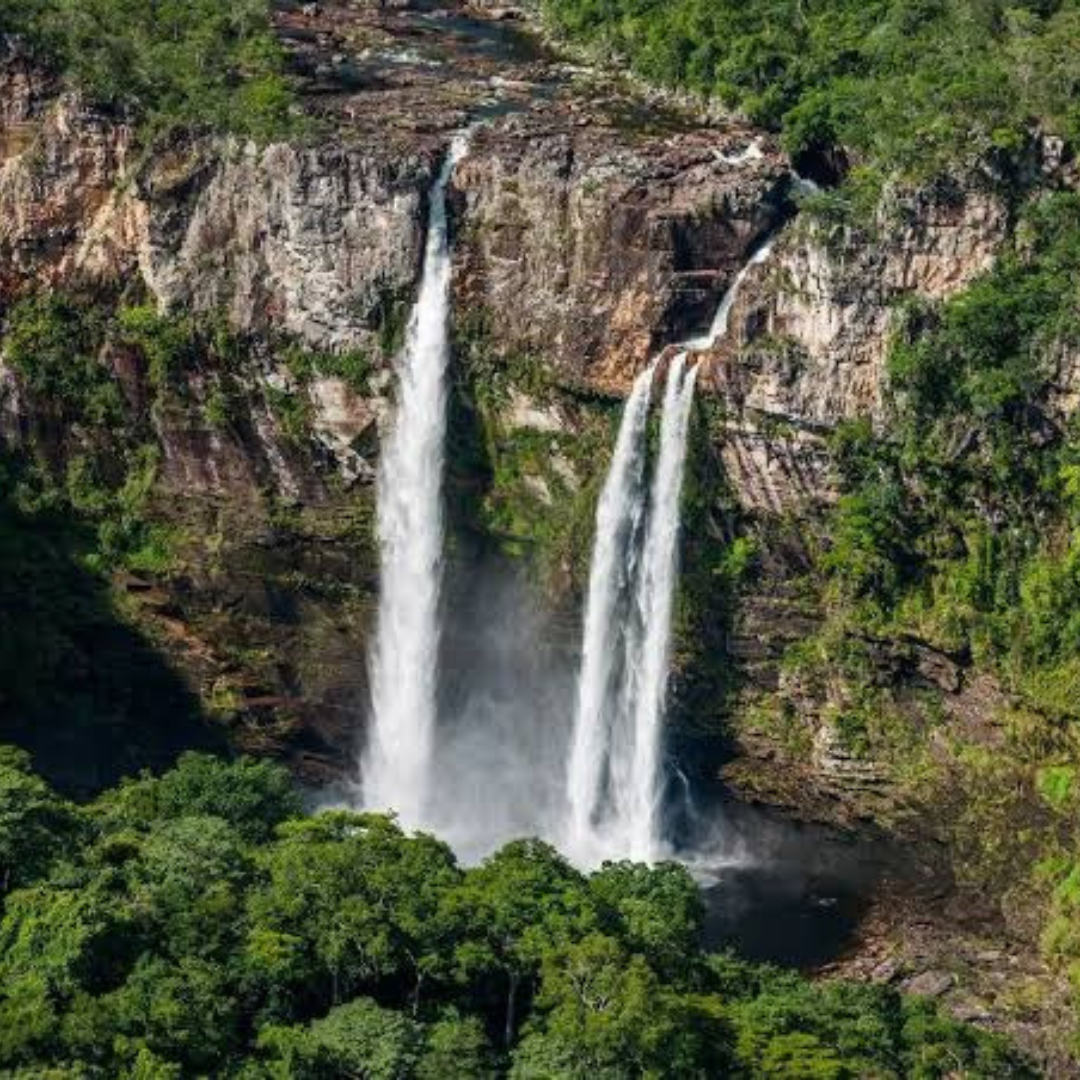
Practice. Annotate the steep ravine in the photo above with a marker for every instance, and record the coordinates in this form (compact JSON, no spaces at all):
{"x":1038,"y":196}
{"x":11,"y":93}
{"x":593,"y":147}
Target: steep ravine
{"x":591,"y":227}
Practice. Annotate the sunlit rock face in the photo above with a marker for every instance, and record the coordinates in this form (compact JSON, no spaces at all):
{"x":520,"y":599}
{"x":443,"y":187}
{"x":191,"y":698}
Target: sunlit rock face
{"x":592,"y":246}
{"x":310,"y":241}
{"x":812,"y":326}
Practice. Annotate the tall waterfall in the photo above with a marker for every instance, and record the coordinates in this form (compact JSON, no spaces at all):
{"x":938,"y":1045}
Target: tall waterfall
{"x":396,"y":765}
{"x":647,"y":667}
{"x":615,"y":775}
{"x":618,"y":522}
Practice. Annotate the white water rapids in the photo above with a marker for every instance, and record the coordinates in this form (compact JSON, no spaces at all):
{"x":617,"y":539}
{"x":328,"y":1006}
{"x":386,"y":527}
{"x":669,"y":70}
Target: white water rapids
{"x":397,"y":761}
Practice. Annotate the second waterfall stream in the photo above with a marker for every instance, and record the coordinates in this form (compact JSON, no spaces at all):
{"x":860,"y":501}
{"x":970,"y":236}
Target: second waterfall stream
{"x":615,"y":775}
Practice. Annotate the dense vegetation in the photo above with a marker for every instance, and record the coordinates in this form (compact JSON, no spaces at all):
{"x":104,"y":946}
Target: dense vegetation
{"x":193,"y":64}
{"x":197,"y":924}
{"x":960,"y":518}
{"x":903,"y":85}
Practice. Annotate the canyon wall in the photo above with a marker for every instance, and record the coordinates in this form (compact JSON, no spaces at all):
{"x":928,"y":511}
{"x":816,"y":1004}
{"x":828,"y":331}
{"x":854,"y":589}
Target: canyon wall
{"x":591,"y":230}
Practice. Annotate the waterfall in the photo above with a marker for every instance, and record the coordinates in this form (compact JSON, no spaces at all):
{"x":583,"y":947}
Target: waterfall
{"x":615,"y":773}
{"x":719,"y":328}
{"x":647,"y":665}
{"x":618,"y":520}
{"x":396,"y":764}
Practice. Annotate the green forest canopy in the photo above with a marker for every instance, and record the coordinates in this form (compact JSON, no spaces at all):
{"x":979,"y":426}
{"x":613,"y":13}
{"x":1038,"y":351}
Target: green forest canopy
{"x":199,"y":924}
{"x":194,"y":64}
{"x":908,"y":86}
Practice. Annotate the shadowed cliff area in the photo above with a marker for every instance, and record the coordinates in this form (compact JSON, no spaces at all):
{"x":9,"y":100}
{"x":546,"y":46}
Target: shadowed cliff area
{"x":85,"y":693}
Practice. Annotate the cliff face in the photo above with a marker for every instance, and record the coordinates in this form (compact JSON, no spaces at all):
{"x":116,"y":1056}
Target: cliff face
{"x":584,"y":241}
{"x":310,"y":241}
{"x":591,"y":229}
{"x":812,"y":327}
{"x":591,"y":249}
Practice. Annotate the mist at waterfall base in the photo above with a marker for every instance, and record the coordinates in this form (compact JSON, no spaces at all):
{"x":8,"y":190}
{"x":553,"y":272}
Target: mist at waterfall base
{"x":775,"y":890}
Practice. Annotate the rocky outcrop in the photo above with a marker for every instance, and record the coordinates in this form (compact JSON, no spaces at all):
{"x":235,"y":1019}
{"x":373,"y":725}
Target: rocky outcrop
{"x":828,"y":296}
{"x":317,"y":242}
{"x":811,"y":328}
{"x":593,"y":249}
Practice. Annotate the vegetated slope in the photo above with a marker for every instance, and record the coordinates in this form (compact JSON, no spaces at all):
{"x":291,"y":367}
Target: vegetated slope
{"x":906,"y":86}
{"x":192,"y":64}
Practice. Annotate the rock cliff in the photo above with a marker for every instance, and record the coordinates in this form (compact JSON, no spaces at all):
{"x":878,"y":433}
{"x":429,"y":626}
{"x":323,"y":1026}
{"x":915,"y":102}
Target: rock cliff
{"x":592,"y":227}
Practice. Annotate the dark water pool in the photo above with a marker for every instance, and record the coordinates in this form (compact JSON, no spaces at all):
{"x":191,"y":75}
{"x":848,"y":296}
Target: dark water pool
{"x":786,"y":892}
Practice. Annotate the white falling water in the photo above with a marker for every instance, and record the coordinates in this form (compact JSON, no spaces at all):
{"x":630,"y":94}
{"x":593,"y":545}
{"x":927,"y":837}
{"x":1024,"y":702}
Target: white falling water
{"x":618,"y":519}
{"x":648,"y":663}
{"x":615,"y":776}
{"x":396,"y":765}
{"x":718,"y":330}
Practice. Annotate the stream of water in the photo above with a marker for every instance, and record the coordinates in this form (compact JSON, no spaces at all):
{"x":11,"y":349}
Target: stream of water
{"x":616,"y":777}
{"x":397,"y":761}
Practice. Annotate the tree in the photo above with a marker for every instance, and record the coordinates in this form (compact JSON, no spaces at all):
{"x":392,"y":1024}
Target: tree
{"x":357,"y":1039}
{"x":366,"y":900}
{"x":656,"y":911}
{"x":456,"y":1048}
{"x":604,"y":1013}
{"x":522,"y":901}
{"x":254,"y":797}
{"x":36,"y":825}
{"x":191,"y":876}
{"x":174,"y":63}
{"x":185,"y":1011}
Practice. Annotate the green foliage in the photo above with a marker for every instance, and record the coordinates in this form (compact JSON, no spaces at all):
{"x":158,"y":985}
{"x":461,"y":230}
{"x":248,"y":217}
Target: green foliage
{"x":167,"y":343}
{"x":602,"y":1013}
{"x":906,"y":86}
{"x":356,"y":1039}
{"x":36,"y":826}
{"x":57,"y":348}
{"x":657,"y":911}
{"x":958,"y":519}
{"x":352,"y":366}
{"x":50,"y":341}
{"x":523,"y":454}
{"x":293,"y":411}
{"x":957,"y":525}
{"x":193,"y":924}
{"x":86,"y":368}
{"x":192,"y":64}
{"x":254,"y":797}
{"x":1057,"y":784}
